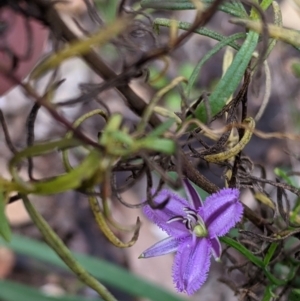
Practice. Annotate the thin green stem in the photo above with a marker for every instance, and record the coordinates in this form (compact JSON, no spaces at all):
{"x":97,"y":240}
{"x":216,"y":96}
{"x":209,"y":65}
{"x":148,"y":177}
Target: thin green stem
{"x":64,"y":253}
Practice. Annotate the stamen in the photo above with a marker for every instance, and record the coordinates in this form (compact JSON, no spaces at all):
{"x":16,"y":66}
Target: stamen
{"x":187,"y":224}
{"x":191,"y":220}
{"x":200,"y":220}
{"x":194,"y":216}
{"x":175,"y":219}
{"x":188,"y":210}
{"x":190,"y":224}
{"x":185,"y":221}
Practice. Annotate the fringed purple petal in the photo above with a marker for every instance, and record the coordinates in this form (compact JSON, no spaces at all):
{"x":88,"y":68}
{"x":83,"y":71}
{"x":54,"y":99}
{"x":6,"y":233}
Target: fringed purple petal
{"x":194,"y":198}
{"x":216,"y":248}
{"x":165,"y":246}
{"x":174,"y":207}
{"x":221,"y":211}
{"x":191,"y":265}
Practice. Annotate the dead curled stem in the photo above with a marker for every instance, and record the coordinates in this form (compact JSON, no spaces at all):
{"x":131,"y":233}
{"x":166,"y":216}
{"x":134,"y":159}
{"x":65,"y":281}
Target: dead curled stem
{"x":101,"y":221}
{"x":280,"y":236}
{"x":51,"y":109}
{"x":101,"y":216}
{"x":135,"y":102}
{"x":8,"y":141}
{"x":286,"y":186}
{"x":64,"y":253}
{"x":238,"y":125}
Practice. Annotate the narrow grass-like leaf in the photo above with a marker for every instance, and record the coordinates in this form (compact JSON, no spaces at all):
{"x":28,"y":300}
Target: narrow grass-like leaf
{"x":263,"y":5}
{"x":228,"y":8}
{"x":71,"y":180}
{"x":257,"y":261}
{"x":230,"y":81}
{"x":227,"y":41}
{"x":278,"y":22}
{"x":162,"y":128}
{"x":166,"y":146}
{"x":12,"y":291}
{"x":270,"y":253}
{"x":202,"y":31}
{"x":243,"y":250}
{"x":282,"y":174}
{"x":61,"y":183}
{"x":104,"y":271}
{"x":5,"y":230}
{"x":64,"y":253}
{"x":239,"y":6}
{"x":80,"y":47}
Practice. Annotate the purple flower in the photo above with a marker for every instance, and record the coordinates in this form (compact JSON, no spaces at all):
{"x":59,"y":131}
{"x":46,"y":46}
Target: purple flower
{"x":194,"y":229}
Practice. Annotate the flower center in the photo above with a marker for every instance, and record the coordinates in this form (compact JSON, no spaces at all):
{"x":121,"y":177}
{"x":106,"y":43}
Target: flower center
{"x":200,"y":230}
{"x":193,"y":222}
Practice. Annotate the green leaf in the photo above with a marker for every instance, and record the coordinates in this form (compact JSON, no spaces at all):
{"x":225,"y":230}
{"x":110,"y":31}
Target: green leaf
{"x":201,"y":31}
{"x":71,"y":180}
{"x":234,"y":74}
{"x":282,"y":174}
{"x":5,"y":231}
{"x":243,"y":250}
{"x":226,"y":41}
{"x":163,"y":145}
{"x":270,"y":253}
{"x":102,"y":270}
{"x":11,"y":291}
{"x":257,"y":261}
{"x":228,"y":8}
{"x":231,"y":80}
{"x":239,"y":6}
{"x":162,"y":128}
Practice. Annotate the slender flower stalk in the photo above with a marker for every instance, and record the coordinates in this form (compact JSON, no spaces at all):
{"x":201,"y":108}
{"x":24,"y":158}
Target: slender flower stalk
{"x":193,"y":228}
